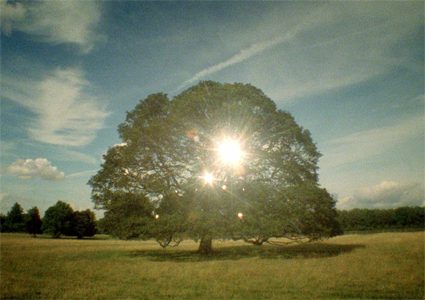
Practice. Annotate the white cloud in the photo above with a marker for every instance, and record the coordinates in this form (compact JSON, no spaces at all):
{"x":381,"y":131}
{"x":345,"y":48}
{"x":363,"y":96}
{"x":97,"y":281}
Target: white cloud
{"x":364,"y":144}
{"x":55,"y":22}
{"x":387,"y":194}
{"x":10,"y":14}
{"x":67,"y":114}
{"x":40,"y":167}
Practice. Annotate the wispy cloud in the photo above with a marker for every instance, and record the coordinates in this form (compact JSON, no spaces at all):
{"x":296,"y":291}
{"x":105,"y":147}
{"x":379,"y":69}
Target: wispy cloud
{"x":243,"y":55}
{"x":82,"y":174}
{"x":368,"y":143}
{"x":325,"y":48}
{"x":7,"y":200}
{"x":40,"y":167}
{"x":54,"y":22}
{"x":24,"y":147}
{"x":306,"y":22}
{"x":6,"y":147}
{"x":387,"y":194}
{"x":10,"y":14}
{"x":71,"y":155}
{"x":67,"y":114}
{"x":330,"y":61}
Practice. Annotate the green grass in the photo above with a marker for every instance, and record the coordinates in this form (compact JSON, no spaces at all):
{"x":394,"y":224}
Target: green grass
{"x":374,"y":266}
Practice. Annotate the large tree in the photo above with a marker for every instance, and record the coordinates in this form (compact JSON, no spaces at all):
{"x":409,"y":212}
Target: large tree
{"x":218,"y":161}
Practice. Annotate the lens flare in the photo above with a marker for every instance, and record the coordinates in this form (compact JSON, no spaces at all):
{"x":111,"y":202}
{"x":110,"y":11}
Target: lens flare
{"x":230,"y":152}
{"x":208,"y":178}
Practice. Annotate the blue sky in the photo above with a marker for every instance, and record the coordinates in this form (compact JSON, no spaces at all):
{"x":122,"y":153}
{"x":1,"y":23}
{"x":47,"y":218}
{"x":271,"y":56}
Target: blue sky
{"x":352,"y":72}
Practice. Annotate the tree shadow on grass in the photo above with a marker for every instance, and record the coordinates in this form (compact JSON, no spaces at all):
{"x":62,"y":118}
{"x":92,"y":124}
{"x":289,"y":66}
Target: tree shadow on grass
{"x":300,"y":251}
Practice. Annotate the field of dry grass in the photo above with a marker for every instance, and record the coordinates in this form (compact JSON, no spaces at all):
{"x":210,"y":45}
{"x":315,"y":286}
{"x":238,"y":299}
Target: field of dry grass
{"x":379,"y":266}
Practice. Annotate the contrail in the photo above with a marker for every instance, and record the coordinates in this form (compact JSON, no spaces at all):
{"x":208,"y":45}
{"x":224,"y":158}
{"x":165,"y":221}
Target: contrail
{"x":243,"y":55}
{"x":312,"y":19}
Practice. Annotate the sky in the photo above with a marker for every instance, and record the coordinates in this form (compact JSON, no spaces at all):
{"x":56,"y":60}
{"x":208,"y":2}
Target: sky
{"x":351,"y":72}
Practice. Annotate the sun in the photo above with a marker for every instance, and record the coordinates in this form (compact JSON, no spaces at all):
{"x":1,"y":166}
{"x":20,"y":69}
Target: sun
{"x":230,"y":152}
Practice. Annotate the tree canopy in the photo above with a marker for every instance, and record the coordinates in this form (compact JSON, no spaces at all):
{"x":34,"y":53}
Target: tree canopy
{"x":84,"y":223}
{"x":58,"y":219}
{"x":34,"y":222}
{"x":15,"y":219}
{"x":62,"y":219}
{"x":217,"y":161}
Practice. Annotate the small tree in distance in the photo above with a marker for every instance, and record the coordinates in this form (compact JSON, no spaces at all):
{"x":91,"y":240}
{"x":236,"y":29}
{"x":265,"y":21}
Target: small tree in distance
{"x":58,"y":219}
{"x":84,"y":223}
{"x":34,"y":222}
{"x":218,"y":161}
{"x":15,"y":219}
{"x":2,"y":222}
{"x":61,"y":219}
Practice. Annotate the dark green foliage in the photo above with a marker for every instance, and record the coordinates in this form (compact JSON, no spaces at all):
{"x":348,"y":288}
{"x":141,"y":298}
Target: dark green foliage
{"x":294,"y":211}
{"x":84,"y":224}
{"x":34,"y":222}
{"x":382,"y":219}
{"x":410,"y":216}
{"x":58,"y":220}
{"x":152,"y":186}
{"x":14,"y":220}
{"x":61,"y":219}
{"x":102,"y":226}
{"x":127,"y":216}
{"x":2,"y":221}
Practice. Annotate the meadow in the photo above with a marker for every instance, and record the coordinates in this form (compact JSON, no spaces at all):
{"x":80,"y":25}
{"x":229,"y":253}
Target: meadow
{"x":368,"y":266}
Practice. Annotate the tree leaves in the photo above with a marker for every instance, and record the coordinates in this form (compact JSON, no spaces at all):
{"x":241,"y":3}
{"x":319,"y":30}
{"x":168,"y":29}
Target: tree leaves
{"x":168,"y":146}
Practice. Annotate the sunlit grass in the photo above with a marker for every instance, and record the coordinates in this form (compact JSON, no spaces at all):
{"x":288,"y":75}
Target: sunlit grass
{"x":387,"y":265}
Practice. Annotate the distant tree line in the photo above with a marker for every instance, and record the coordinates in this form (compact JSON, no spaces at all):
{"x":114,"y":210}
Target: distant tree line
{"x":59,"y":219}
{"x":382,"y":219}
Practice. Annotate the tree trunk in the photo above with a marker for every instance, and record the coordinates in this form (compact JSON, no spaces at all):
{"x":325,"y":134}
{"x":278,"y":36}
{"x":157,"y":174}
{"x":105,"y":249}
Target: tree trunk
{"x":205,"y":247}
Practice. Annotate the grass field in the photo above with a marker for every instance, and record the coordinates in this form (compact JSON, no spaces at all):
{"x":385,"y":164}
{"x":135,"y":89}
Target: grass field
{"x":373,"y":266}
